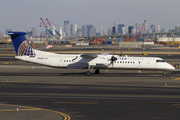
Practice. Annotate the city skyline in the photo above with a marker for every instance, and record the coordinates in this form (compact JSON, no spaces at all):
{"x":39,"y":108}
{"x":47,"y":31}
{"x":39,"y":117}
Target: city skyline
{"x":82,"y":12}
{"x":85,"y":30}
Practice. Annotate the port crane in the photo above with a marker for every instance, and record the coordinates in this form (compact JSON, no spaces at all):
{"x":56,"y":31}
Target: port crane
{"x":45,"y":25}
{"x":59,"y":33}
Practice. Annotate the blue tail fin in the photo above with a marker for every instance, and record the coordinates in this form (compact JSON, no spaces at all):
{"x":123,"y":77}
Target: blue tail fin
{"x":21,"y":46}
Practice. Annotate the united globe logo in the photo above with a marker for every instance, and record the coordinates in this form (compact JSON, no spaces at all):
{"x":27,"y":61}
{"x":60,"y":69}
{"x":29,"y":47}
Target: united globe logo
{"x":25,"y":50}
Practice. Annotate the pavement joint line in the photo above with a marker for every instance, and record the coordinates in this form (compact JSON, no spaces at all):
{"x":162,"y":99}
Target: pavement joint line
{"x":19,"y":109}
{"x":94,"y":95}
{"x":14,"y":81}
{"x":77,"y":102}
{"x":26,"y":69}
{"x":66,"y":116}
{"x":170,"y":86}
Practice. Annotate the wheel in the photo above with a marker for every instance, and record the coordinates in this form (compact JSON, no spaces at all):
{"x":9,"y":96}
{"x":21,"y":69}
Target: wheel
{"x":97,"y":71}
{"x":88,"y":73}
{"x":165,"y":73}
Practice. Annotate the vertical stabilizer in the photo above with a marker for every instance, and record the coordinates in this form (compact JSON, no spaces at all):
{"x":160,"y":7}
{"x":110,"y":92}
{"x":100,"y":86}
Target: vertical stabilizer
{"x":21,"y":46}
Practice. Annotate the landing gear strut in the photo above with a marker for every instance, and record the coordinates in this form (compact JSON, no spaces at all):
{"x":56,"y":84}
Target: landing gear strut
{"x":90,"y":68}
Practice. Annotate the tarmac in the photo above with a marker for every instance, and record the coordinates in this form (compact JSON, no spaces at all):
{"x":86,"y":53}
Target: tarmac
{"x":45,"y":93}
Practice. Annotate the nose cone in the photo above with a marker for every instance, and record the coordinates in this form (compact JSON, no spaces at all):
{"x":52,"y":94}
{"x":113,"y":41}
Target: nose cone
{"x":171,"y":67}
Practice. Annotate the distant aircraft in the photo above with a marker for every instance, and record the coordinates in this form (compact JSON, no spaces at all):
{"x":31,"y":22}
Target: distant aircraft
{"x":85,"y":61}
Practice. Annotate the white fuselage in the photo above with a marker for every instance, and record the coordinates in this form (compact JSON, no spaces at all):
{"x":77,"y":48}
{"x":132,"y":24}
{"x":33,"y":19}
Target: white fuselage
{"x":76,"y":61}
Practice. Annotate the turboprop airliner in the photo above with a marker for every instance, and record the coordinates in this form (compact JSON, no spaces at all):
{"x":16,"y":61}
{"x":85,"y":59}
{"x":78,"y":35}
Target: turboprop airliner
{"x":85,"y":61}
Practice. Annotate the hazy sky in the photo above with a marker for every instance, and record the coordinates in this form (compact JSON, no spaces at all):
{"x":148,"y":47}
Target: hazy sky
{"x":21,"y":15}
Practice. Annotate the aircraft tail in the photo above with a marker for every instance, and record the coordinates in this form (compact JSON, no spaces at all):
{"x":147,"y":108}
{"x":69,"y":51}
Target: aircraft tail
{"x":21,"y":46}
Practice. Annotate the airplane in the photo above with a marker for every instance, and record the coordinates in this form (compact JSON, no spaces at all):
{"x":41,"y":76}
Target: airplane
{"x":85,"y":61}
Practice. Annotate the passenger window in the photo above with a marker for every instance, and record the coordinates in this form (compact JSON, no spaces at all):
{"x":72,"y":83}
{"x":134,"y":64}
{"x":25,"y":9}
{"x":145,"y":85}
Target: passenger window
{"x":64,"y":60}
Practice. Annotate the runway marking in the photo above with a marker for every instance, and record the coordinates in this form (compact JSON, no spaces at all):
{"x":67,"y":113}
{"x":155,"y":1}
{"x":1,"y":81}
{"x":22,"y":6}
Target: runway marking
{"x":177,"y":78}
{"x":78,"y":102}
{"x":66,"y":117}
{"x":15,"y":81}
{"x":6,"y":63}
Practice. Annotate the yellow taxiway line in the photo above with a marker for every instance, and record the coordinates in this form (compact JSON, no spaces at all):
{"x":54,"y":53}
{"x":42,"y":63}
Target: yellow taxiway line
{"x":66,"y":117}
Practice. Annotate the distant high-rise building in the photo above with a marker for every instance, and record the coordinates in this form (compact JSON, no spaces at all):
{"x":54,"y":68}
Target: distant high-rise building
{"x":177,"y":26}
{"x":88,"y":29}
{"x":34,"y":32}
{"x":113,"y":30}
{"x":73,"y":29}
{"x":84,"y":30}
{"x":130,"y":29}
{"x":138,"y":26}
{"x":93,"y":31}
{"x":116,"y":27}
{"x":1,"y":33}
{"x":123,"y":30}
{"x":67,"y":28}
{"x":109,"y":31}
{"x":145,"y":28}
{"x":63,"y":34}
{"x":158,"y":28}
{"x":43,"y":34}
{"x":78,"y":33}
{"x":162,"y":30}
{"x":104,"y":32}
{"x":120,"y":28}
{"x":101,"y":30}
{"x":8,"y":30}
{"x":152,"y":27}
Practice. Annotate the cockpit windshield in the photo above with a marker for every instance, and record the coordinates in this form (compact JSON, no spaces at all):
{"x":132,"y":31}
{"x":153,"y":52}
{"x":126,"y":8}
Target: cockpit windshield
{"x":160,"y":61}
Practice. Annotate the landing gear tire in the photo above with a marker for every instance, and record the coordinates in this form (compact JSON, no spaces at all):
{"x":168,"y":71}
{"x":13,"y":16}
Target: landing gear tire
{"x":88,"y":73}
{"x":97,"y":71}
{"x":165,"y":73}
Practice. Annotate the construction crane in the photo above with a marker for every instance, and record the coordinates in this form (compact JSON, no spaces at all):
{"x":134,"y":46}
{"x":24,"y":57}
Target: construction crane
{"x":141,"y":30}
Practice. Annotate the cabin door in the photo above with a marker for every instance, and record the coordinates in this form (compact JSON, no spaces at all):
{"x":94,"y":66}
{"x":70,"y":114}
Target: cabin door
{"x":61,"y":62}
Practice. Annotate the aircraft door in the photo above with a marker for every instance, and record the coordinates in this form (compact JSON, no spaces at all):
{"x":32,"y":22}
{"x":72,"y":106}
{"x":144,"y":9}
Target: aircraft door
{"x":61,"y":62}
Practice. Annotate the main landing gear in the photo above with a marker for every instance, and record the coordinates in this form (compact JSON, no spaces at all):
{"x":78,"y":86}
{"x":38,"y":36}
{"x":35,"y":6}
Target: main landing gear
{"x":165,"y":73}
{"x":90,"y":68}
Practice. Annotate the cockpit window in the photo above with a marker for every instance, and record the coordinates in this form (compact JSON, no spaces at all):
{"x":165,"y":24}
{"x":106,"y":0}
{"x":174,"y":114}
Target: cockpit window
{"x":160,"y":61}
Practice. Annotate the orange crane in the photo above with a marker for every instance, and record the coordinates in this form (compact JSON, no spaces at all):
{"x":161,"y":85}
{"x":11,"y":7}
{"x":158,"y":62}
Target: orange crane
{"x":43,"y":23}
{"x":141,"y":30}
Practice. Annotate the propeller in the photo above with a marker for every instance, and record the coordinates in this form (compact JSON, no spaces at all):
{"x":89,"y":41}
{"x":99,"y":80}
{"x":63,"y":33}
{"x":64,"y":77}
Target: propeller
{"x":113,"y":59}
